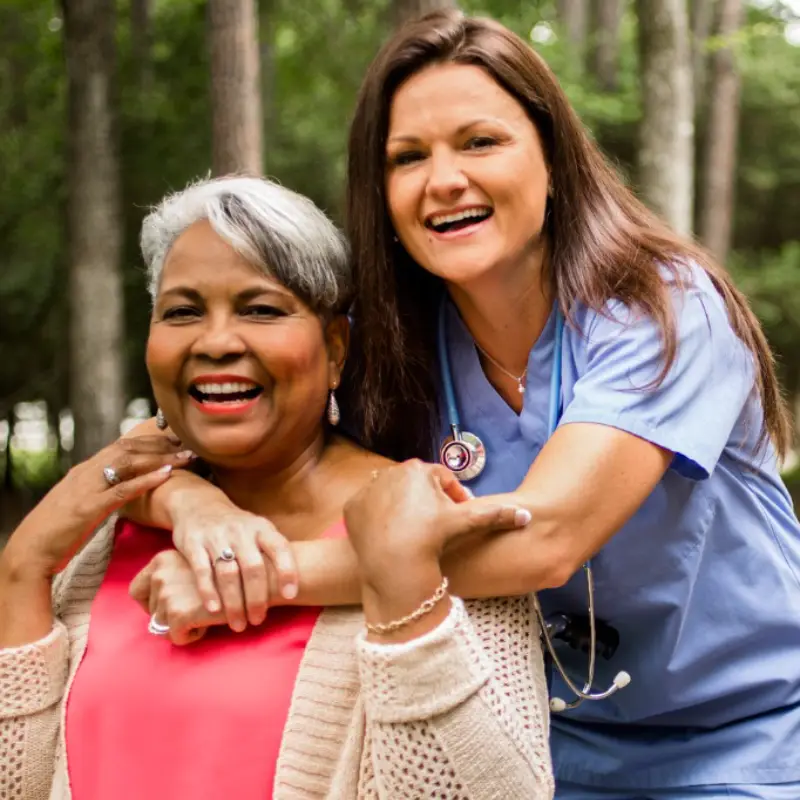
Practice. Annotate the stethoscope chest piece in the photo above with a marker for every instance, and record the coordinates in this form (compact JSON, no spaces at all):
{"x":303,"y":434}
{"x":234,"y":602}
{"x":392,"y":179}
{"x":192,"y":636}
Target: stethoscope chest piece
{"x":463,"y":454}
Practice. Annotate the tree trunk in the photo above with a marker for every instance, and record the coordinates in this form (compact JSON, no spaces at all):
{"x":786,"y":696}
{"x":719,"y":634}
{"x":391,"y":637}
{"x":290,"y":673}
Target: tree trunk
{"x":666,"y":150}
{"x":95,"y":227}
{"x":702,"y":17}
{"x":719,"y":162}
{"x":573,"y":16}
{"x":606,"y":16}
{"x":405,"y":10}
{"x":235,"y":87}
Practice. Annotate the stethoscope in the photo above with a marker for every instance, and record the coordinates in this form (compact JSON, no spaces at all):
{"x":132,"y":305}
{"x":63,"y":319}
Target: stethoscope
{"x":464,"y":454}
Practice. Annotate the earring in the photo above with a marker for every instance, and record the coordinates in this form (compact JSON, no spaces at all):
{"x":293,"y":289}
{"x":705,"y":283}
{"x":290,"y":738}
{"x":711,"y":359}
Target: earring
{"x":395,"y":239}
{"x":333,"y":409}
{"x":161,"y":420}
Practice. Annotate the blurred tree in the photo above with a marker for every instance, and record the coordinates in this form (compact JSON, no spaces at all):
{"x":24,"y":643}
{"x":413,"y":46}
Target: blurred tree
{"x":573,"y":16}
{"x":666,"y":154}
{"x":95,"y":226}
{"x":411,"y":9}
{"x":702,"y":15}
{"x":606,"y":16}
{"x":721,"y":135}
{"x":235,"y":87}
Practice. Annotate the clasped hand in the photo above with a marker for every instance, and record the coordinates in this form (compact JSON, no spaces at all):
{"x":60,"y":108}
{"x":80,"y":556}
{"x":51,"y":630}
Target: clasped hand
{"x":400,"y":525}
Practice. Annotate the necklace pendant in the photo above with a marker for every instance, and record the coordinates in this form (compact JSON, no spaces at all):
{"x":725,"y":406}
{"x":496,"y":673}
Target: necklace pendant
{"x":521,"y":388}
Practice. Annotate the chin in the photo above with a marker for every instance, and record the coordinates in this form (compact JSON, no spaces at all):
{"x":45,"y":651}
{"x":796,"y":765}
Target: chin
{"x":225,"y":450}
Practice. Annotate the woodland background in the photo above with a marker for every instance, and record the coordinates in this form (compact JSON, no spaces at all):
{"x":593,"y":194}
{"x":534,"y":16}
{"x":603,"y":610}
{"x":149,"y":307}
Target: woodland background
{"x":105,"y":105}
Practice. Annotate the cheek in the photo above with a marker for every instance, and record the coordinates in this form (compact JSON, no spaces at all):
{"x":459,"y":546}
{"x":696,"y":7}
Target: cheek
{"x":401,"y":194}
{"x":297,"y":357}
{"x":161,"y":355}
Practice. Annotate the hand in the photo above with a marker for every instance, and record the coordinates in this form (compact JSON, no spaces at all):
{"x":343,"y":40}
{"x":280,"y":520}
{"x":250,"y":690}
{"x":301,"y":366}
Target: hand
{"x":166,"y":588}
{"x":61,"y":523}
{"x":411,"y":513}
{"x":206,"y":526}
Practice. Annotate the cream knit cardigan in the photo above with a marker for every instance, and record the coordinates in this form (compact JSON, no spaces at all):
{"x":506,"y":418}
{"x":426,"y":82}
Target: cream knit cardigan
{"x":459,"y":714}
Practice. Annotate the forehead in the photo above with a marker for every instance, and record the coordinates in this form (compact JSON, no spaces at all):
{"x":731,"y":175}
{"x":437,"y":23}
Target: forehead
{"x":200,"y":257}
{"x":444,"y":95}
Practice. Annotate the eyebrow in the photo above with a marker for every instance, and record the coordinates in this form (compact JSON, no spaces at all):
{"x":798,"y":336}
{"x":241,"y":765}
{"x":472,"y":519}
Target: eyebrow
{"x":243,"y":296}
{"x":461,"y":128}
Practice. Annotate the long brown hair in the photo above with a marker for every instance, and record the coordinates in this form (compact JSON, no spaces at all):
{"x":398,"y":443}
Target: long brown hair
{"x":603,"y":242}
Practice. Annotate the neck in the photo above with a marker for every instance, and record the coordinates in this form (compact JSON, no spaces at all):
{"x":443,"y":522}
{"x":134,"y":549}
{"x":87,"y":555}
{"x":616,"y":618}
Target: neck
{"x":278,"y":488}
{"x":306,"y":494}
{"x":507,"y":314}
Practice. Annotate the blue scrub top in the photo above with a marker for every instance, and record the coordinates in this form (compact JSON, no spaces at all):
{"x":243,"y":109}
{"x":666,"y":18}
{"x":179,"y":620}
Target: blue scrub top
{"x":703,"y":583}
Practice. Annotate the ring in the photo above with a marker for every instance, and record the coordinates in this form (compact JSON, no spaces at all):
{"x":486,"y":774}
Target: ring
{"x":227,"y":554}
{"x":111,"y":476}
{"x":156,"y":628}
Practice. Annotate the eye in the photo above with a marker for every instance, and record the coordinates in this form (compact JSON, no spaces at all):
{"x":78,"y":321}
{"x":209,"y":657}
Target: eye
{"x":262,"y":311}
{"x":406,"y":157}
{"x":480,"y":143}
{"x":180,"y":313}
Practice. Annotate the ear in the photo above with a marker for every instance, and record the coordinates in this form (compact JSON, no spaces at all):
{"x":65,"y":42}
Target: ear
{"x":337,"y":340}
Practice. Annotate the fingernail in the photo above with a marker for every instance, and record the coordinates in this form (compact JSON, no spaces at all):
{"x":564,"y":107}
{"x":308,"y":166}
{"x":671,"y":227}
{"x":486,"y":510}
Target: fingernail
{"x":239,"y":626}
{"x":166,"y":468}
{"x":187,"y":454}
{"x":289,"y":591}
{"x":212,"y":606}
{"x":468,"y":491}
{"x":522,"y":517}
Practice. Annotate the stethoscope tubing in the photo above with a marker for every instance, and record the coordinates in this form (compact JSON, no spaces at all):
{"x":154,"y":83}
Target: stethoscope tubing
{"x":554,"y":414}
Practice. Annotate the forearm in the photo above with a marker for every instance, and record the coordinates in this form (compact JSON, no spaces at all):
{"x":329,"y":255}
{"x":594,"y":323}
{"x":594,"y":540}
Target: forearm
{"x":26,"y":612}
{"x":500,"y":566}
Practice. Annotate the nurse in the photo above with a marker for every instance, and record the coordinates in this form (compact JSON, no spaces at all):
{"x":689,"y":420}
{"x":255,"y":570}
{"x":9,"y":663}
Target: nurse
{"x":474,"y":192}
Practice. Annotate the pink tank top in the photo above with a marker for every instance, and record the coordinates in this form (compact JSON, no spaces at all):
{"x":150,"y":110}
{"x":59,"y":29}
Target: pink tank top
{"x":146,"y":719}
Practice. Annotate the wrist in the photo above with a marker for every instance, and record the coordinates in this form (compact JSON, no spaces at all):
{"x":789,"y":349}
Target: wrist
{"x":19,"y":567}
{"x":187,"y":498}
{"x":395,"y":596}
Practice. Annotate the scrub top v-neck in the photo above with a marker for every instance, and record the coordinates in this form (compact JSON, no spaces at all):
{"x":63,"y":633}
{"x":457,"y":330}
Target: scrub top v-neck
{"x":703,"y":583}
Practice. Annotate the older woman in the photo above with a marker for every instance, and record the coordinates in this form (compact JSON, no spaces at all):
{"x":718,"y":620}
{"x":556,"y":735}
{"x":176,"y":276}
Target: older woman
{"x":411,"y":698}
{"x":623,"y":392}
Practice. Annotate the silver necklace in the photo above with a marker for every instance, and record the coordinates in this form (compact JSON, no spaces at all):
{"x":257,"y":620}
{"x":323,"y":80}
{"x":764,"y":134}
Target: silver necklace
{"x":520,"y":379}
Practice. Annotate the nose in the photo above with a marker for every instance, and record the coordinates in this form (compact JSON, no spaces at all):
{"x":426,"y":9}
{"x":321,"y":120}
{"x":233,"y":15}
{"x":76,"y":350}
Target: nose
{"x":219,"y":339}
{"x":446,"y":177}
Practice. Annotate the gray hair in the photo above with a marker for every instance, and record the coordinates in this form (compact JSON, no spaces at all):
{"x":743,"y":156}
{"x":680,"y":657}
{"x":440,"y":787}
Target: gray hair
{"x":281,"y":233}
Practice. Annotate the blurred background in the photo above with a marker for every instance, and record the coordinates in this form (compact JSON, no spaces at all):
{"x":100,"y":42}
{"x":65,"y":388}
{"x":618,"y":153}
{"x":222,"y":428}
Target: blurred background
{"x":106,"y":105}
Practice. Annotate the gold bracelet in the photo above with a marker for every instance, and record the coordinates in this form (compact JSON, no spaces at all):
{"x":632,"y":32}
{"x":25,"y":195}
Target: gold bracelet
{"x":382,"y":628}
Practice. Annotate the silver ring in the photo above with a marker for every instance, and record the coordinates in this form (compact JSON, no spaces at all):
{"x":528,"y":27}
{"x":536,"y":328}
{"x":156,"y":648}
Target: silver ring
{"x":156,"y":628}
{"x":227,"y":554}
{"x":111,"y":476}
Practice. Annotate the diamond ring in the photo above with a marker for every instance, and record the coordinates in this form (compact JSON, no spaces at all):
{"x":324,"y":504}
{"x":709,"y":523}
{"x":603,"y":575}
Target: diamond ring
{"x":111,"y":475}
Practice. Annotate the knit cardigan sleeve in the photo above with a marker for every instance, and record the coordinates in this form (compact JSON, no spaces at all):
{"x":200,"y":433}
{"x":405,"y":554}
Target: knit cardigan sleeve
{"x":460,"y":712}
{"x":32,"y":682}
{"x":34,"y":677}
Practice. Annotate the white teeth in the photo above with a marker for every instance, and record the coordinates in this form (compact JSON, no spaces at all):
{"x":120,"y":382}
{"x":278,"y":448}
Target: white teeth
{"x":224,"y":388}
{"x":441,"y":219}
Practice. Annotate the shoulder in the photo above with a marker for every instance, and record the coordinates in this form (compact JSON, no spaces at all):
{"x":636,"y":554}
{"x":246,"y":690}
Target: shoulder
{"x":699,"y":316}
